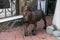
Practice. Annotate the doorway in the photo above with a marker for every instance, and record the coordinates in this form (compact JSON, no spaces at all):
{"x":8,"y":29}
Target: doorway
{"x":51,"y":7}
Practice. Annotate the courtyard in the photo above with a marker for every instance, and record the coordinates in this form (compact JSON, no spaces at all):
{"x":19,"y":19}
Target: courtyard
{"x":17,"y":32}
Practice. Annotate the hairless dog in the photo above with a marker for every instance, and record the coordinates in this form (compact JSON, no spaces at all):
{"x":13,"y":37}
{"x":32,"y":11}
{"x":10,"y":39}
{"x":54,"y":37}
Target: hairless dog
{"x":32,"y":17}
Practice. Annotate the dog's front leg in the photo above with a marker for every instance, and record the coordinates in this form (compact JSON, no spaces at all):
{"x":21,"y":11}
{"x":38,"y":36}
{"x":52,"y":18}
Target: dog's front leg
{"x":25,"y":29}
{"x":44,"y":22}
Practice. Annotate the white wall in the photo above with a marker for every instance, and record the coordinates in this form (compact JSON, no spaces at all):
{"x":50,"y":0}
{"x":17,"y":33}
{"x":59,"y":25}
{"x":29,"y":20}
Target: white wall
{"x":56,"y":18}
{"x":43,"y":5}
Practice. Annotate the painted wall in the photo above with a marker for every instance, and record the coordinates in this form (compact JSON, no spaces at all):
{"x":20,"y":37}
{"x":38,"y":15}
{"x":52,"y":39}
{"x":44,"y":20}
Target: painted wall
{"x":56,"y":18}
{"x":21,"y":4}
{"x":43,"y":3}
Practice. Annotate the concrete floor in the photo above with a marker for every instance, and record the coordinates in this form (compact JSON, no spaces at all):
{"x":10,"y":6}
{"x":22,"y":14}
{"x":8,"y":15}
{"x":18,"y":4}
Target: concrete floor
{"x":18,"y":32}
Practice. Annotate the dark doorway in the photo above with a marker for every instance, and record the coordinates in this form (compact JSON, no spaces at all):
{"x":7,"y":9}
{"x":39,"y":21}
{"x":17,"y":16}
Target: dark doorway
{"x":51,"y":7}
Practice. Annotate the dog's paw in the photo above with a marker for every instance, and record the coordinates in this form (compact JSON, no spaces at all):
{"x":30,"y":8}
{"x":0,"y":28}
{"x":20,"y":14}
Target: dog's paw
{"x":33,"y":32}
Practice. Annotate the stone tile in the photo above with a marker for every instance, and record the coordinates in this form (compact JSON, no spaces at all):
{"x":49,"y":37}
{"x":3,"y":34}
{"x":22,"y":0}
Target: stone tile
{"x":11,"y":36}
{"x":27,"y":38}
{"x":18,"y":32}
{"x":19,"y":39}
{"x":3,"y":36}
{"x":35,"y":38}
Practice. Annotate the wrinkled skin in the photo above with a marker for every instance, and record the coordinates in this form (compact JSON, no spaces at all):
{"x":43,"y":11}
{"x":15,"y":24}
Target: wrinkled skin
{"x":32,"y":17}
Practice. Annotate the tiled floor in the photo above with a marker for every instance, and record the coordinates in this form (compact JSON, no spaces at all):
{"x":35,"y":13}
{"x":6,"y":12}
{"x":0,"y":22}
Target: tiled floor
{"x":18,"y":33}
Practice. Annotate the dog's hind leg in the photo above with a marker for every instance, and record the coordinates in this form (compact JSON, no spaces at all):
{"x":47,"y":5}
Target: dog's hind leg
{"x":34,"y":29}
{"x":44,"y":19}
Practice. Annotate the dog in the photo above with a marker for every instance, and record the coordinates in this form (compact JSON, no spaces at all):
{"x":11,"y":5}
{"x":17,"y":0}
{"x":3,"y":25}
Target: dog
{"x":32,"y":17}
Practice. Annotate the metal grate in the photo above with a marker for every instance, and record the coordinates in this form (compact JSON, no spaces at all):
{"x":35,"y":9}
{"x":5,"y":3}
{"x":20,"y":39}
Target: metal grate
{"x":8,"y":8}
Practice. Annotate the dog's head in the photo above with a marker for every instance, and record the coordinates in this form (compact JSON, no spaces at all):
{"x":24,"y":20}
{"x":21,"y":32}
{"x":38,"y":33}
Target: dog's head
{"x":27,"y":13}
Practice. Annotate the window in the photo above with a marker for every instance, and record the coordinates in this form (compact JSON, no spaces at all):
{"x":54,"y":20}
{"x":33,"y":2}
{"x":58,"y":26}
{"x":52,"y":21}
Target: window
{"x":9,"y":8}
